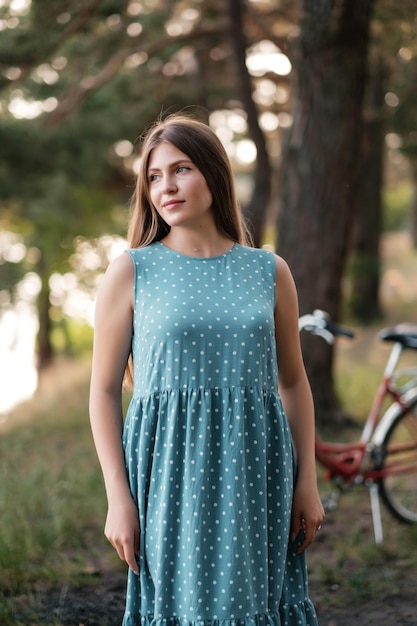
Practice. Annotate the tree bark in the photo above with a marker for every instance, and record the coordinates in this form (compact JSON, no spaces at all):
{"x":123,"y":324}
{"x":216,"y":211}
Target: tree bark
{"x":319,"y":169}
{"x":366,"y":262}
{"x":45,"y":352}
{"x":258,"y":204}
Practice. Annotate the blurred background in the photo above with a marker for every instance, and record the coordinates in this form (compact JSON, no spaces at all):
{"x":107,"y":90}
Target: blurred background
{"x":316,"y":104}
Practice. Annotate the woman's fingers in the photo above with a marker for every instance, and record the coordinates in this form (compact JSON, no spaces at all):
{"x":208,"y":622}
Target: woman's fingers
{"x":127,"y":549}
{"x":122,"y":530}
{"x":304,"y":532}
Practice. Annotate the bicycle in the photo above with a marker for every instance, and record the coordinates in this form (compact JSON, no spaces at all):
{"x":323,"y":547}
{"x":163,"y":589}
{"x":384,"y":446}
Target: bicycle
{"x":385,"y":457}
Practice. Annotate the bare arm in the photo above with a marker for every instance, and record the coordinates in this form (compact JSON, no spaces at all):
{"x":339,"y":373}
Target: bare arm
{"x":112,"y":344}
{"x":298,"y":402}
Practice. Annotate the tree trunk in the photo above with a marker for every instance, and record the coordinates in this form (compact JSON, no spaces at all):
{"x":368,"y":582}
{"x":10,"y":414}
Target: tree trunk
{"x":258,"y":204}
{"x":413,"y":213}
{"x":44,"y":344}
{"x":366,"y":262}
{"x":319,"y":169}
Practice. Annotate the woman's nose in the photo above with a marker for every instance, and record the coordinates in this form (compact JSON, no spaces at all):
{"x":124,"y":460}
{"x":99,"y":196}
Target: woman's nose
{"x":169,"y":184}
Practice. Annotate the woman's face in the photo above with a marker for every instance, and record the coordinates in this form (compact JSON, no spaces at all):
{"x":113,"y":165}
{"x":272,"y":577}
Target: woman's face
{"x":177,"y":189}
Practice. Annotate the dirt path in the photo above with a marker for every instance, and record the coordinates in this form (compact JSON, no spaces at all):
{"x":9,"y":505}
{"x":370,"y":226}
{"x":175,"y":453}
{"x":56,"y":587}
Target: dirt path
{"x":103,"y":606}
{"x":352,"y":582}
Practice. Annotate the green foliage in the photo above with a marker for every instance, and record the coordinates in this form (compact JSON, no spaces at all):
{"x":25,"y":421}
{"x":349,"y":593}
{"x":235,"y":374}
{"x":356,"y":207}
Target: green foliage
{"x":72,"y":337}
{"x":397,"y":202}
{"x":10,"y":275}
{"x":356,"y":387}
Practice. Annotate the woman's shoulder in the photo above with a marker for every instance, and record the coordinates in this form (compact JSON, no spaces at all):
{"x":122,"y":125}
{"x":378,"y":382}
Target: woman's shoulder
{"x":271,"y":263}
{"x":262,"y":257}
{"x":144,"y":251}
{"x":265,"y":253}
{"x":119,"y":270}
{"x":116,"y":281}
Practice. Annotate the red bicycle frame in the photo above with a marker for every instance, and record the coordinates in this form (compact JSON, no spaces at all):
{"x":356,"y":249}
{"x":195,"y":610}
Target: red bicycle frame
{"x":347,"y":460}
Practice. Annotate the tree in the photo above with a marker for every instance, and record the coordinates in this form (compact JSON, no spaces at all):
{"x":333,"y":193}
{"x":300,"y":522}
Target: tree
{"x":388,"y":86}
{"x":260,"y":196}
{"x":403,"y":122}
{"x":365,"y":271}
{"x":319,"y":169}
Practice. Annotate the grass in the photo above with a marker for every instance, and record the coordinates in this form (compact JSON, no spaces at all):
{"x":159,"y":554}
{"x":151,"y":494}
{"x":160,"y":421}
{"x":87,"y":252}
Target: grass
{"x":52,"y":498}
{"x":49,"y":492}
{"x":347,"y":568}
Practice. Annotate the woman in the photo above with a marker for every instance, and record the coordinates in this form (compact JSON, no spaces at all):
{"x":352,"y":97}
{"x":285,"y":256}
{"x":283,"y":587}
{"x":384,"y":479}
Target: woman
{"x":203,"y":504}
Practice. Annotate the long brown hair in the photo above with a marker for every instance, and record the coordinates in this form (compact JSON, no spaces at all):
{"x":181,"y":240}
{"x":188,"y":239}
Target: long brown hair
{"x":205,"y":150}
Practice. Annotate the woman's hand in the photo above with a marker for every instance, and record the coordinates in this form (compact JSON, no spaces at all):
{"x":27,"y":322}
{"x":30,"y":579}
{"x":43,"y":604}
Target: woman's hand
{"x":307,"y":512}
{"x":122,"y":530}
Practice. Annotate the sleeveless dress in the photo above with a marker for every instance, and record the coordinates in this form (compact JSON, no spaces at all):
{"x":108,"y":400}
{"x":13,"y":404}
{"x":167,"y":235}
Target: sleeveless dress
{"x":208,"y":450}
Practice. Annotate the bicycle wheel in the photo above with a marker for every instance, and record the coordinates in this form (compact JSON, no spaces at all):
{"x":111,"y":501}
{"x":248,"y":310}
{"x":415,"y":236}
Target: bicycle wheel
{"x":398,"y":487}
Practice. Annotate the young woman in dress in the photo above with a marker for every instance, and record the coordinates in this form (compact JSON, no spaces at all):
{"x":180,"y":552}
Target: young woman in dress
{"x":210,"y":479}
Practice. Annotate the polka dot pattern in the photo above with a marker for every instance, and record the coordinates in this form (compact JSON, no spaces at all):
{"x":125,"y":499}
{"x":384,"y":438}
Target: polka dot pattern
{"x":207,"y":444}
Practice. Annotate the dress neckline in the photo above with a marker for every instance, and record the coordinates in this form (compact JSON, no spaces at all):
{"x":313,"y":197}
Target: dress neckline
{"x":198,"y":258}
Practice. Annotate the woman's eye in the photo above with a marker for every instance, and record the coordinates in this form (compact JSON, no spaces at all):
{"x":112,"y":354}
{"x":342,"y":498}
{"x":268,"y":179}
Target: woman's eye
{"x":153,"y":177}
{"x":182,"y":168}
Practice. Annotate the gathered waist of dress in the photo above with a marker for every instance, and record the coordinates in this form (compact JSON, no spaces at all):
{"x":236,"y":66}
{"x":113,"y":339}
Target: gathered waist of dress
{"x":184,"y":390}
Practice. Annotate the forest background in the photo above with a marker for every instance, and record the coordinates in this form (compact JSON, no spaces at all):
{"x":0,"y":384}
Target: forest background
{"x":316,"y":104}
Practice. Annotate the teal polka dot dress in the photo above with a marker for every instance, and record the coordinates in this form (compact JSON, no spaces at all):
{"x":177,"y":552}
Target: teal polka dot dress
{"x":208,"y":449}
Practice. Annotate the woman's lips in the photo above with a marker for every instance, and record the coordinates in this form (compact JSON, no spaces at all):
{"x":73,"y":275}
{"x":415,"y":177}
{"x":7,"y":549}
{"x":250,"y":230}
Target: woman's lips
{"x":173,"y":204}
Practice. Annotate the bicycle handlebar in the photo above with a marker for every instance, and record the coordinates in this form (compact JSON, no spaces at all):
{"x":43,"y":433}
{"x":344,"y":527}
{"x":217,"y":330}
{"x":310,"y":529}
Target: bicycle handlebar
{"x":318,"y":323}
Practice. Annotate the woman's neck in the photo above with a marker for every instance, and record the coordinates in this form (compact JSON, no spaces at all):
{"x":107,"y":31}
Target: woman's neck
{"x":199,"y":244}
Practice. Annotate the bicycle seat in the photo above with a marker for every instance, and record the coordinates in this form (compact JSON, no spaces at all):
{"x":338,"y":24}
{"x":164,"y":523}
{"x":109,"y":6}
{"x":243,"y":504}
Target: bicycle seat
{"x":405,"y":334}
